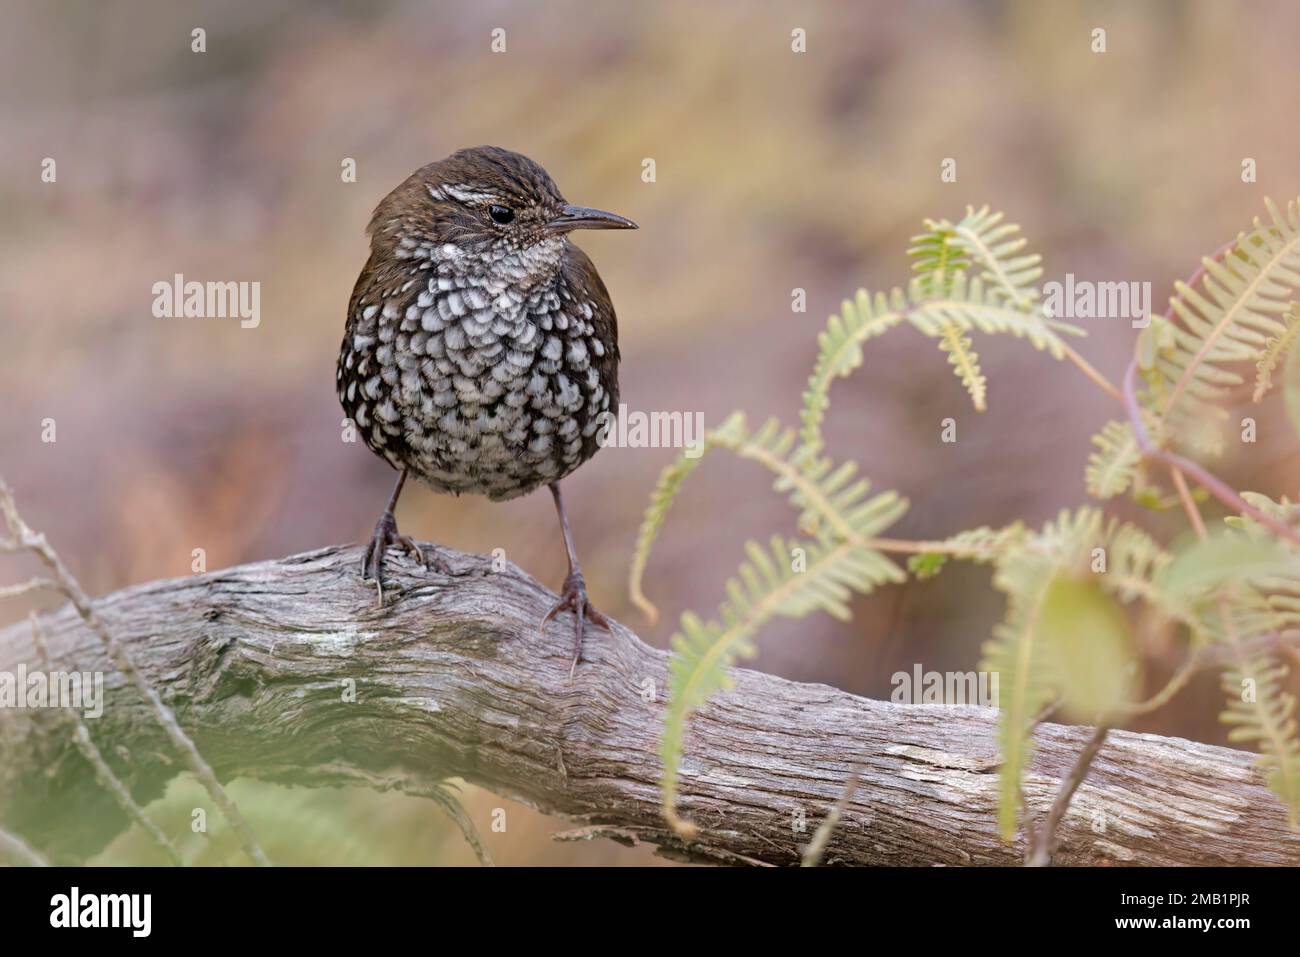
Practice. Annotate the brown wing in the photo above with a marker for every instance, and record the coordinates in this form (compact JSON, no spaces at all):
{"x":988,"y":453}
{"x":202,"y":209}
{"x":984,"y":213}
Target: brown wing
{"x":587,"y":285}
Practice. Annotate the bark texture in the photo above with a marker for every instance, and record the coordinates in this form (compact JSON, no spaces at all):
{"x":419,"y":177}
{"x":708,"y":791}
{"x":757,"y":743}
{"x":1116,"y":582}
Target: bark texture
{"x":453,"y":678}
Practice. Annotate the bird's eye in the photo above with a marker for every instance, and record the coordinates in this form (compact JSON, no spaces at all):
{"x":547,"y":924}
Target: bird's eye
{"x":501,"y":214}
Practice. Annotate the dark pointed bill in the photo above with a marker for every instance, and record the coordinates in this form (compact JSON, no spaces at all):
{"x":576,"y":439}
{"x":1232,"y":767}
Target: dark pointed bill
{"x":584,"y":217}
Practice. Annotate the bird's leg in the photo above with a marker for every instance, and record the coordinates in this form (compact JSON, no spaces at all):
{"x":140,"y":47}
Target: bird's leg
{"x":573,"y":596}
{"x":386,"y":534}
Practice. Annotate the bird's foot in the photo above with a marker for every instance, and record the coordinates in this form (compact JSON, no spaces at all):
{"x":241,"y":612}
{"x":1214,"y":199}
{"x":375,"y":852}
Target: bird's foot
{"x":573,"y":597}
{"x":386,"y":536}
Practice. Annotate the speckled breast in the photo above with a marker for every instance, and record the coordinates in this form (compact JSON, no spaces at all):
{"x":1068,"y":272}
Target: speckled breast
{"x":471,"y":382}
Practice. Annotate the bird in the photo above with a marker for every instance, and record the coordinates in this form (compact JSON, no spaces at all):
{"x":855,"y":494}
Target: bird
{"x":480,"y":353}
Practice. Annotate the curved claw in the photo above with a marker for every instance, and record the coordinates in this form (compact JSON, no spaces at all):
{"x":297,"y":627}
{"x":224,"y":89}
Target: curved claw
{"x":573,"y":597}
{"x":386,"y":535}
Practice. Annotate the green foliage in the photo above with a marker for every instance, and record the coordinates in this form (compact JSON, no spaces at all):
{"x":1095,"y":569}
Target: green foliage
{"x":839,"y":351}
{"x":980,"y":545}
{"x":983,"y":242}
{"x":1017,"y":651}
{"x":1276,"y":348}
{"x":937,"y":257}
{"x":1214,"y":567}
{"x":1291,"y":381}
{"x":1134,"y":560}
{"x":964,"y":362}
{"x":963,"y":306}
{"x":661,"y":500}
{"x":1067,"y":639}
{"x":1236,"y":316}
{"x":1089,"y":652}
{"x":790,"y":579}
{"x":1260,"y":710}
{"x":926,"y":565}
{"x":970,"y":304}
{"x":1112,"y":466}
{"x":828,"y":501}
{"x":1283,"y":509}
{"x":1278,"y":594}
{"x":304,"y":827}
{"x":1240,"y":311}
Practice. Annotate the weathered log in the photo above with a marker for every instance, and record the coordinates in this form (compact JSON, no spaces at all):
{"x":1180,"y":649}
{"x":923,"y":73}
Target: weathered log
{"x":455,"y":678}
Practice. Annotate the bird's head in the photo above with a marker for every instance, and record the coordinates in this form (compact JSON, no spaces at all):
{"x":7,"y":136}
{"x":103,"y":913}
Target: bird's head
{"x":490,"y":210}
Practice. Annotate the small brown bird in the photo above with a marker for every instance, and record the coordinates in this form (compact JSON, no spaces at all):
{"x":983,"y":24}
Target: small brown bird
{"x":481,"y":348}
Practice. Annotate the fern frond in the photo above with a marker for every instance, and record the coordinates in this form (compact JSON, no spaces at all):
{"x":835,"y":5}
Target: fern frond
{"x":980,"y":545}
{"x":1279,"y":594}
{"x":832,"y":503}
{"x":1017,"y":650}
{"x":1260,"y":710}
{"x":1156,"y":340}
{"x":665,"y":492}
{"x":839,"y":351}
{"x":789,"y":578}
{"x":1283,"y":509}
{"x":937,"y":257}
{"x":994,"y":251}
{"x":1221,"y":565}
{"x":935,"y":301}
{"x":1275,"y":350}
{"x":965,"y":363}
{"x":1134,"y":560}
{"x":1112,"y":466}
{"x":830,"y":499}
{"x":1229,"y":320}
{"x":970,"y":304}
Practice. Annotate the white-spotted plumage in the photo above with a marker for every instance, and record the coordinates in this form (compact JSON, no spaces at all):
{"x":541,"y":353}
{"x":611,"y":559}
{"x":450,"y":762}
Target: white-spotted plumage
{"x":478,"y":380}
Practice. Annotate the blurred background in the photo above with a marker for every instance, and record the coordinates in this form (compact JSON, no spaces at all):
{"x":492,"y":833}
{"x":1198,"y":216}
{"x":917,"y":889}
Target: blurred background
{"x":774,"y":171}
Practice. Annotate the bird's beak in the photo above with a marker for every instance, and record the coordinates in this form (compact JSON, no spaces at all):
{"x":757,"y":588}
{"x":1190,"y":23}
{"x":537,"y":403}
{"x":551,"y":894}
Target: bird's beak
{"x":584,"y":217}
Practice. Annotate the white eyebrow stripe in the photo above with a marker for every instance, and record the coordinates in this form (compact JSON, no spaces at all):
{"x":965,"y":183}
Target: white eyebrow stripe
{"x":464,"y":194}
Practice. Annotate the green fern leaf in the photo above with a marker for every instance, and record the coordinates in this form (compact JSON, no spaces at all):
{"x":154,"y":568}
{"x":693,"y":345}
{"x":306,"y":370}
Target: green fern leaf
{"x":1231,"y":319}
{"x":965,"y":363}
{"x":790,"y":579}
{"x":839,"y":351}
{"x":1089,"y":655}
{"x":670,"y":483}
{"x":1260,"y":710}
{"x":994,"y":249}
{"x":937,"y":257}
{"x":1291,"y":389}
{"x":926,"y":565}
{"x":1112,"y":466}
{"x":940,"y":298}
{"x":1279,"y":594}
{"x":1284,"y":510}
{"x":1275,"y":349}
{"x":970,"y":304}
{"x":1221,"y":565}
{"x":1134,"y":563}
{"x":1018,"y":649}
{"x":980,"y":545}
